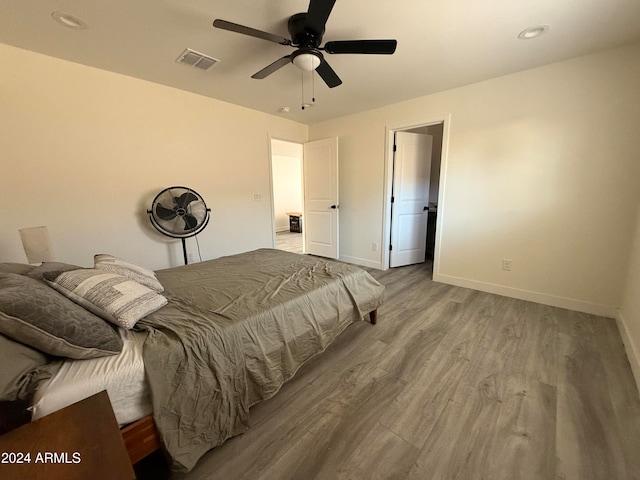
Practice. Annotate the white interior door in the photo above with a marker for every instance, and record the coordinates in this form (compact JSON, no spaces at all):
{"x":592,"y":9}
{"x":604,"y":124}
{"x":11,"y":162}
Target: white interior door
{"x":320,"y":179}
{"x":411,"y":172}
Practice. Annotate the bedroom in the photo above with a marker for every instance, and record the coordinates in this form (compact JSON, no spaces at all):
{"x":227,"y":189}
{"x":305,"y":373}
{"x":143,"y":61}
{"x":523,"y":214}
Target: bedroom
{"x":84,"y":150}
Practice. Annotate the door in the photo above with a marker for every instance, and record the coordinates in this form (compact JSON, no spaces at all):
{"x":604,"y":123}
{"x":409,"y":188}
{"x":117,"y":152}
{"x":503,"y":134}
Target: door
{"x":320,"y":179}
{"x":410,"y":198}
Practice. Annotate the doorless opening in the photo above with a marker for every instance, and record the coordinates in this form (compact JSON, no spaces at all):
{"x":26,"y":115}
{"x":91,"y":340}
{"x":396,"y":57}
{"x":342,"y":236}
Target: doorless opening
{"x":287,"y":197}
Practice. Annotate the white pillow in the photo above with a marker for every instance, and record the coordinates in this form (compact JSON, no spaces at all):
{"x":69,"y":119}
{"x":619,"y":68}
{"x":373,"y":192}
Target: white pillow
{"x":116,"y":265}
{"x":113,"y":297}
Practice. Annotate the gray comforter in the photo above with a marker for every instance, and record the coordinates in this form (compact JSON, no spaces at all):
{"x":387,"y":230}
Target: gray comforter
{"x":235,"y":329}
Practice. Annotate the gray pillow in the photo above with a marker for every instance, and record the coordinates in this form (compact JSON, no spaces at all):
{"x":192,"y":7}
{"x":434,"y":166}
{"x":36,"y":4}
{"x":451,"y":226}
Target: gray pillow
{"x":17,"y":363}
{"x":139,"y":274}
{"x":19,"y":268}
{"x":38,"y":272}
{"x":33,"y":313}
{"x":115,"y":298}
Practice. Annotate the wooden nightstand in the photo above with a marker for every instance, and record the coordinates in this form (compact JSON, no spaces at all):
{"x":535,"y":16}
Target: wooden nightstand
{"x":81,"y":441}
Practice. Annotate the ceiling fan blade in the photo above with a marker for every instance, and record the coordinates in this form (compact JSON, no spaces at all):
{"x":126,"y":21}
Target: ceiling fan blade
{"x":164,"y":213}
{"x":190,"y":222}
{"x":252,"y":32}
{"x":328,"y":75}
{"x":269,"y":69}
{"x":318,"y":14}
{"x":375,"y":47}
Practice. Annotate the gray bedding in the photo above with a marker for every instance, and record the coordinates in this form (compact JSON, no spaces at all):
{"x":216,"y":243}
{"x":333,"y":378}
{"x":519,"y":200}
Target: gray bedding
{"x":235,"y":329}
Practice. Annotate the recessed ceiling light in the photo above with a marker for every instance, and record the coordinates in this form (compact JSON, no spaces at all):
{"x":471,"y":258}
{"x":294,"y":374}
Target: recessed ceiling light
{"x":69,"y":20}
{"x":533,"y":32}
{"x":285,"y":109}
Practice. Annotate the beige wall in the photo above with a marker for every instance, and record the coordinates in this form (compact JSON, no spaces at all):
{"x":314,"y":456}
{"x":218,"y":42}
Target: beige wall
{"x":84,"y":152}
{"x":629,"y":313}
{"x":541,"y":168}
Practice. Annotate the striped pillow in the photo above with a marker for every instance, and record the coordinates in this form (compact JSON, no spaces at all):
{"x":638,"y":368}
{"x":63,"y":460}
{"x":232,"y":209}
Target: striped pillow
{"x":113,"y":297}
{"x":139,"y":274}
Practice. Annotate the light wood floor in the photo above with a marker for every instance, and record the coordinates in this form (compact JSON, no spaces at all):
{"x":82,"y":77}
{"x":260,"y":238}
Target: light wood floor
{"x":289,"y":241}
{"x":450,"y":384}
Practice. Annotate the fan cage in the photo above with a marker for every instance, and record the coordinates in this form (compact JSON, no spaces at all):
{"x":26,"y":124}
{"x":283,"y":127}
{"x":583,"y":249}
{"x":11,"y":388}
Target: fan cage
{"x":170,"y":195}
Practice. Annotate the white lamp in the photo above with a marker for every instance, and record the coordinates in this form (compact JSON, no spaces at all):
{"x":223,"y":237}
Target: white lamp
{"x":37,"y":244}
{"x":306,"y":61}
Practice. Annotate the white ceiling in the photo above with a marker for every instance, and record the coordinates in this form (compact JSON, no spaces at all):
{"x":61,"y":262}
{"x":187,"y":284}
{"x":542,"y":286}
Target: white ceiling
{"x":441,"y":44}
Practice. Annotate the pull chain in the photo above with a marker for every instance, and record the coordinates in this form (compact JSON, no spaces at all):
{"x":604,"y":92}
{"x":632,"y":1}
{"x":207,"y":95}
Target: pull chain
{"x":313,"y":89}
{"x":302,"y":82}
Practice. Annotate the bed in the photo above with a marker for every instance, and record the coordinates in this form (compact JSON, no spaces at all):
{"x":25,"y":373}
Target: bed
{"x":232,"y":331}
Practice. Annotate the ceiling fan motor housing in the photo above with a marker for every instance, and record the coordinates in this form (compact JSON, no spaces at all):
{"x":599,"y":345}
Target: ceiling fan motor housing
{"x":304,"y":38}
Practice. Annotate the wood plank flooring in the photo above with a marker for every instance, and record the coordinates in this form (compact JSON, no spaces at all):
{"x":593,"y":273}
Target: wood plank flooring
{"x":289,"y":241}
{"x":451,"y":384}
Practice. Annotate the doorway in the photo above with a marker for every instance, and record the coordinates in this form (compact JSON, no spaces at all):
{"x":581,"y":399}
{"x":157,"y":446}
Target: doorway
{"x":288,"y":199}
{"x":411,"y":230}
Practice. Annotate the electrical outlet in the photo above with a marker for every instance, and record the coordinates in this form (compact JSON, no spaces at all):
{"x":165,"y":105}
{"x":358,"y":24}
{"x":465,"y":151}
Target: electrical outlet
{"x":506,"y":264}
{"x":374,"y":246}
{"x":257,"y":197}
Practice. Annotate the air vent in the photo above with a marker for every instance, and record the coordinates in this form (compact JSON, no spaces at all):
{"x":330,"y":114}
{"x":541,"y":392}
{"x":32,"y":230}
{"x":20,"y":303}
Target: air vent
{"x":196,"y":59}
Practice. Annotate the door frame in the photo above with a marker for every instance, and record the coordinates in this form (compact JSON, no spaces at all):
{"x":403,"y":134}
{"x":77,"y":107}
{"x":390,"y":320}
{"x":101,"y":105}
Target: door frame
{"x":271,"y":190}
{"x":390,"y":130}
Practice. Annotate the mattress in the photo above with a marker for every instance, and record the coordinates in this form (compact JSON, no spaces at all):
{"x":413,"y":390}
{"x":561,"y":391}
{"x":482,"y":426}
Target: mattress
{"x":122,"y":376}
{"x":234,"y":330}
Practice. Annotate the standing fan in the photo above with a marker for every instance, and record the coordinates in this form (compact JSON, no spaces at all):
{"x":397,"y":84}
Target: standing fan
{"x":179,"y":212}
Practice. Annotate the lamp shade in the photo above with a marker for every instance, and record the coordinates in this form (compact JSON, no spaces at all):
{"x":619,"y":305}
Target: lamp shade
{"x":37,"y":244}
{"x":306,"y":61}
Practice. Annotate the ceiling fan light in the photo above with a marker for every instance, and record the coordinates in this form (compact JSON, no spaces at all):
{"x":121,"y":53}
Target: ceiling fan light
{"x":306,"y":61}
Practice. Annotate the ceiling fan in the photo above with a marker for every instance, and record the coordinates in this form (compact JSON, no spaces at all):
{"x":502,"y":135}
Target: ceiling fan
{"x":306,"y":30}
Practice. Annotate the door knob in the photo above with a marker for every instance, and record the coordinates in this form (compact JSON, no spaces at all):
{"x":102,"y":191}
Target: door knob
{"x":334,"y":206}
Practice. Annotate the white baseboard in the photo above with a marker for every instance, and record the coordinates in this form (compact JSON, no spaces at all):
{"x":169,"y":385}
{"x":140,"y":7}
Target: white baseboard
{"x":363,"y":262}
{"x":543,"y":298}
{"x":633,"y":354}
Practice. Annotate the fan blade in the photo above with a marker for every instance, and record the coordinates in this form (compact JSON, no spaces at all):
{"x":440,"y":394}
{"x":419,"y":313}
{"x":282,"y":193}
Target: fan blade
{"x":375,"y":47}
{"x":185,"y":199}
{"x":252,"y":32}
{"x":165,"y":213}
{"x":328,"y":75}
{"x":269,"y":69}
{"x":190,"y":222}
{"x":318,"y":14}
